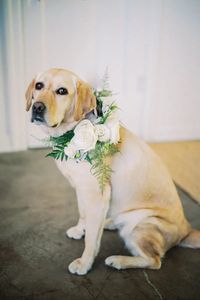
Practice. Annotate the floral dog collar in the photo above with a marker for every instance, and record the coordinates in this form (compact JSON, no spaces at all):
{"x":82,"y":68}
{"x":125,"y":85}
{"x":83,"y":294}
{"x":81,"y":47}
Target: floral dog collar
{"x":93,"y":139}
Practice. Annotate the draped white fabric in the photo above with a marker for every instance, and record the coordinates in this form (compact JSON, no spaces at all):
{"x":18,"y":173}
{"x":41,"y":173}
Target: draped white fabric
{"x":151,"y":47}
{"x":12,"y":116}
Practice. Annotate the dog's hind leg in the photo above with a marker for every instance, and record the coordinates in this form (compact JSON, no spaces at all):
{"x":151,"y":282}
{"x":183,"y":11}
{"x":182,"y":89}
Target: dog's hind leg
{"x":126,"y":262}
{"x":146,"y":242}
{"x":109,"y":225}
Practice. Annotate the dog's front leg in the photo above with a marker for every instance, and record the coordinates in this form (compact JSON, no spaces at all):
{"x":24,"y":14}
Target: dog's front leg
{"x":78,"y":231}
{"x":96,"y":208}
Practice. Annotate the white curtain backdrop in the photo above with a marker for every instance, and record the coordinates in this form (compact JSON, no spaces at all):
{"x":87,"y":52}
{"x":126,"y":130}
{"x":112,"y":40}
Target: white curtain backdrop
{"x":12,"y":79}
{"x":151,"y":47}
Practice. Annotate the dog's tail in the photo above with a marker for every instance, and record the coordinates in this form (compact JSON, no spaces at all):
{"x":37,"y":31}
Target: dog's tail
{"x":192,"y":240}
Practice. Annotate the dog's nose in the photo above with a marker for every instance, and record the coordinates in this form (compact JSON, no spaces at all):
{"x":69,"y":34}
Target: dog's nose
{"x":38,"y":112}
{"x":38,"y":108}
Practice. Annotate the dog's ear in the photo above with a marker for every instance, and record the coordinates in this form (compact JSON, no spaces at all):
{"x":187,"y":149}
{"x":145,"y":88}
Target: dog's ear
{"x":85,"y":101}
{"x":29,"y":94}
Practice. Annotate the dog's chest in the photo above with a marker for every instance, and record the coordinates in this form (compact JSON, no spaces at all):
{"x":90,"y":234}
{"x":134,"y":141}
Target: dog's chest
{"x":78,"y":173}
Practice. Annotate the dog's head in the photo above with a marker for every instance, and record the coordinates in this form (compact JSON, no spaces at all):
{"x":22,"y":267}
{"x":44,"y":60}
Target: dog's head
{"x":58,"y":96}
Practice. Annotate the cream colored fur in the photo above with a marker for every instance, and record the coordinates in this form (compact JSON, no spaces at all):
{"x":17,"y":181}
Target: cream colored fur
{"x":140,"y":200}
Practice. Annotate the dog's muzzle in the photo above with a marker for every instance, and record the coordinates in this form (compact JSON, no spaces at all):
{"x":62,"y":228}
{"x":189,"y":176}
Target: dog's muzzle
{"x":38,"y":111}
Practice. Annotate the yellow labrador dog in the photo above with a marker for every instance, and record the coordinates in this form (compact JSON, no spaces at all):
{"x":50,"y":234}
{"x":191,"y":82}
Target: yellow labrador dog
{"x":140,"y":200}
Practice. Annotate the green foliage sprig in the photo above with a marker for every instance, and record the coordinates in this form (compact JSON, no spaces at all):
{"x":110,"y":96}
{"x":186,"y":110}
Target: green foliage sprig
{"x":58,"y":144}
{"x":100,"y":168}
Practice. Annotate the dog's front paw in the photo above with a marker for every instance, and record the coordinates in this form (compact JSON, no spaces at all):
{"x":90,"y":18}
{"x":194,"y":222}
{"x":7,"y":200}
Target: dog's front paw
{"x":79,"y":267}
{"x":75,"y":232}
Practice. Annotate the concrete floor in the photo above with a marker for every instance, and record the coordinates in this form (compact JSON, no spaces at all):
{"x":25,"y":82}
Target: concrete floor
{"x":37,"y":205}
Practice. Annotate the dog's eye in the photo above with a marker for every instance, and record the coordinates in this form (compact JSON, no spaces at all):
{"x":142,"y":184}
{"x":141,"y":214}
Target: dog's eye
{"x":39,"y":85}
{"x":62,"y":91}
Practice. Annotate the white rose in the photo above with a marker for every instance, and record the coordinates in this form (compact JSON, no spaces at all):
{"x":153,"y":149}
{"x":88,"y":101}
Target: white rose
{"x":102,"y":132}
{"x":85,"y":137}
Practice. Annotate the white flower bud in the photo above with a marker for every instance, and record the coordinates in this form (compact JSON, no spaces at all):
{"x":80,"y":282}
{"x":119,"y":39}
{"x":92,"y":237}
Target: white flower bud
{"x":102,"y":132}
{"x":70,"y":150}
{"x":106,"y":103}
{"x":113,"y":124}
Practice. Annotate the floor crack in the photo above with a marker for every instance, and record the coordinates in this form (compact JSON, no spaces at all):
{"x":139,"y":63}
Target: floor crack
{"x":152,"y":285}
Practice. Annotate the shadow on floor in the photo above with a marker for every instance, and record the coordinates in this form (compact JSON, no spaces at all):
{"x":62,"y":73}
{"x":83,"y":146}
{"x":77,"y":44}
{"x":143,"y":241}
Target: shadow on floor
{"x":37,"y":205}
